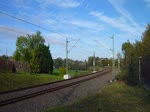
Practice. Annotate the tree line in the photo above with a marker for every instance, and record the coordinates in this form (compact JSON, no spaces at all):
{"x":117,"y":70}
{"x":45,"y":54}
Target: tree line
{"x":31,"y":49}
{"x":82,"y":65}
{"x":137,"y":57}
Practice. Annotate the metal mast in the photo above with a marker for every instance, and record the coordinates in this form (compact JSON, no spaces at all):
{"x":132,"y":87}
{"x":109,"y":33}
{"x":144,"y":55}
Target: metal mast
{"x":66,"y":55}
{"x":94,"y":62}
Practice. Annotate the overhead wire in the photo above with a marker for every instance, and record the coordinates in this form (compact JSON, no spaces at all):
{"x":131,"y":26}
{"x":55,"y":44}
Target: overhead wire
{"x":22,"y":14}
{"x":36,"y":25}
{"x":30,"y":23}
{"x":12,"y":30}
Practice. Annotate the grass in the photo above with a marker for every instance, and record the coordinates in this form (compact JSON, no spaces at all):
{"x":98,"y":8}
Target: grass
{"x":73,"y":73}
{"x":10,"y":81}
{"x":117,"y":97}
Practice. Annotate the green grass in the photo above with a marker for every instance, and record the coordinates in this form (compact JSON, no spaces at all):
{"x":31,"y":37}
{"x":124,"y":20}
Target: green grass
{"x":10,"y":81}
{"x":73,"y":73}
{"x":116,"y":97}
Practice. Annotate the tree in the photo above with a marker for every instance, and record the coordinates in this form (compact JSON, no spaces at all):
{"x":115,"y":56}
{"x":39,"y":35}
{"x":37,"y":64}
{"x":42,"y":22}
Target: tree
{"x":25,"y":46}
{"x":127,"y":49}
{"x":132,"y":54}
{"x":31,"y":48}
{"x":146,"y":55}
{"x":41,"y":61}
{"x":46,"y":61}
{"x":35,"y":62}
{"x":90,"y":61}
{"x":146,"y":42}
{"x":58,"y":63}
{"x":131,"y":58}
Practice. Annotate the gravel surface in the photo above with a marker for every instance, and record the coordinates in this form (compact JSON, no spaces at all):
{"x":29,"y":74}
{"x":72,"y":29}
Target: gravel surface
{"x":60,"y":97}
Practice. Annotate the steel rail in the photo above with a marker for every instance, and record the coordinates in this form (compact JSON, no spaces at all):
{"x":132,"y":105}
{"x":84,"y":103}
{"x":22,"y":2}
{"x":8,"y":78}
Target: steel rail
{"x":28,"y":96}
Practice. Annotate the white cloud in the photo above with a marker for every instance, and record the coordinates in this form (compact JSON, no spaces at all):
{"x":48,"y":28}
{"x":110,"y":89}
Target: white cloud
{"x":120,"y":23}
{"x":87,"y":24}
{"x":23,"y":4}
{"x":54,"y":42}
{"x":69,"y":3}
{"x":15,"y":32}
{"x":61,"y":3}
{"x":56,"y":39}
{"x":147,"y":3}
{"x":119,"y":7}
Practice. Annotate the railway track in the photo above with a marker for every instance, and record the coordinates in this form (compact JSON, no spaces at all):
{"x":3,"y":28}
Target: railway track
{"x":11,"y":97}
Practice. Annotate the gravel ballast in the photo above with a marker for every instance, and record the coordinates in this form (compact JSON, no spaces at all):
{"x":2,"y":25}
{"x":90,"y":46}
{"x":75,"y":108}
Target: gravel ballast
{"x":61,"y":97}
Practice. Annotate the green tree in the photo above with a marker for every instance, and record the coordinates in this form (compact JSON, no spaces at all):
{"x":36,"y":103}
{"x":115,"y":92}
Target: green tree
{"x":132,"y":52}
{"x":129,"y":62}
{"x":90,"y":61}
{"x":58,"y":62}
{"x":46,"y":61}
{"x":35,"y":61}
{"x":146,"y":54}
{"x":127,"y":49}
{"x":31,"y":48}
{"x":146,"y":42}
{"x":26,"y":44}
{"x":41,"y":61}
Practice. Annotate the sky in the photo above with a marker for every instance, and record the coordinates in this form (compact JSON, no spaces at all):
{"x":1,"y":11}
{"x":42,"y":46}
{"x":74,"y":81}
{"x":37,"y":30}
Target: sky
{"x":89,"y":25}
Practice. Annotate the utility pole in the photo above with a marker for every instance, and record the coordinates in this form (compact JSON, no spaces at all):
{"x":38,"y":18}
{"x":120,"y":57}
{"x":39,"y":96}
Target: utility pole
{"x":113,"y":56}
{"x":67,"y":76}
{"x":94,"y":62}
{"x":113,"y":53}
{"x":140,"y":68}
{"x":6,"y":53}
{"x":118,"y":56}
{"x":66,"y":55}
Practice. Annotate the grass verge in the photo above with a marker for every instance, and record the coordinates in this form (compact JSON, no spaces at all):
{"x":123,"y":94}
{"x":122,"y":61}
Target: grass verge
{"x":117,"y":97}
{"x":10,"y":81}
{"x":73,"y":73}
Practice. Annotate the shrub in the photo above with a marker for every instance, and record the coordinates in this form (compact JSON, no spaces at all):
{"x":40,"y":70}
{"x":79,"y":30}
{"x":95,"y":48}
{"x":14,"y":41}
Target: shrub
{"x":121,"y":75}
{"x":62,"y":71}
{"x":7,"y":65}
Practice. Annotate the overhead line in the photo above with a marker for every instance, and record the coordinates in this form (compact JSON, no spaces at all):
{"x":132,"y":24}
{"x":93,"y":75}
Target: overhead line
{"x":7,"y":9}
{"x":9,"y":29}
{"x":29,"y":23}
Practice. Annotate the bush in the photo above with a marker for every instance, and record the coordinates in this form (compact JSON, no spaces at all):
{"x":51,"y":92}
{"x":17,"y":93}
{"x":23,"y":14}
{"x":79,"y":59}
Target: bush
{"x":62,"y":71}
{"x":7,"y":65}
{"x":97,"y":68}
{"x":121,"y":75}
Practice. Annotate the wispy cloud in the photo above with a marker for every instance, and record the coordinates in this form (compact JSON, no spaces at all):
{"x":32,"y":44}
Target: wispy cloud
{"x":124,"y":23}
{"x":69,"y":3}
{"x":147,"y":3}
{"x":56,"y":39}
{"x":61,"y":3}
{"x":54,"y":42}
{"x":23,"y":4}
{"x":118,"y":5}
{"x":14,"y":32}
{"x":120,"y":23}
{"x":87,"y":24}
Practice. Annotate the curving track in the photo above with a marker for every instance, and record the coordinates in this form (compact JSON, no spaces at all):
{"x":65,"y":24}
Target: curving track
{"x":15,"y":96}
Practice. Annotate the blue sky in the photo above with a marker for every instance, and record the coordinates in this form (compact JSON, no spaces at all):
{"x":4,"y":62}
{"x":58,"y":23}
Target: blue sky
{"x":91,"y":21}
